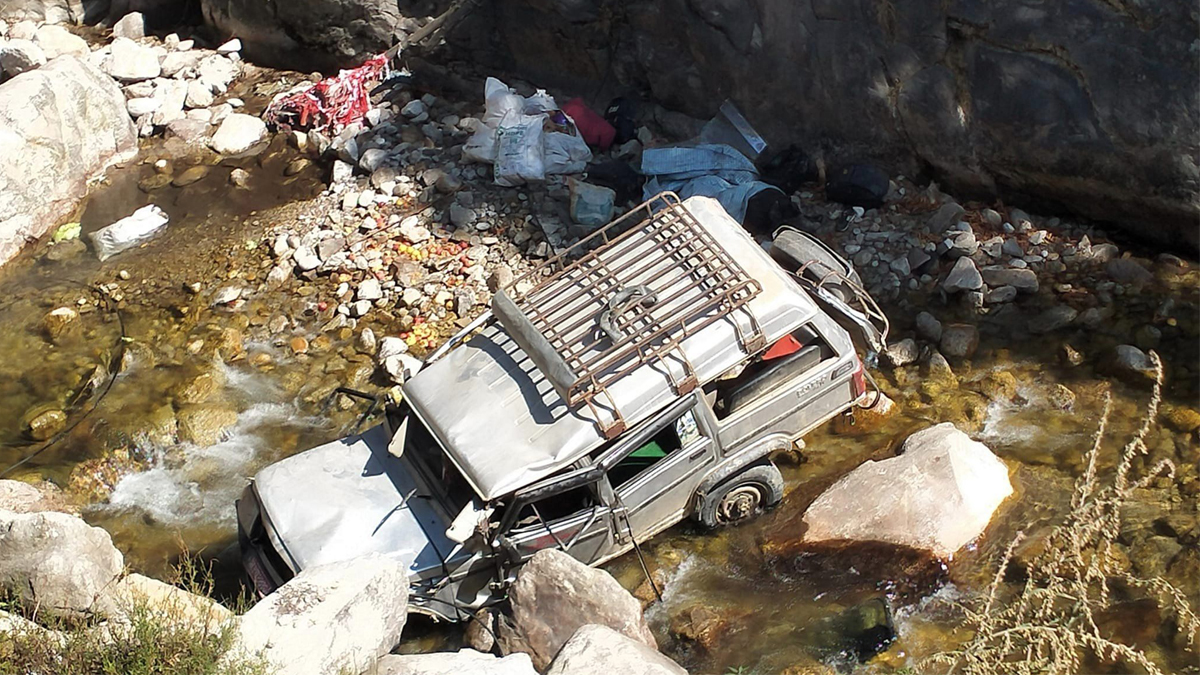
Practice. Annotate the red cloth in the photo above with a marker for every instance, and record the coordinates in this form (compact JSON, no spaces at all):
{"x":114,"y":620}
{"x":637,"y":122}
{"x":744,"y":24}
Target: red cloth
{"x":786,"y":345}
{"x":595,"y":129}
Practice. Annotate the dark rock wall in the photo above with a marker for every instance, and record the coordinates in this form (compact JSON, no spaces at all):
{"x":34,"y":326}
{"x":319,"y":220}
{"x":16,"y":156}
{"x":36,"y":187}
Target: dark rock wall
{"x":1090,"y":106}
{"x":306,"y":34}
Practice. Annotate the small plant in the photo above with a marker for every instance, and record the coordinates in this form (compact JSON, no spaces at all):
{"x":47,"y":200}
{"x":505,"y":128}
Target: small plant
{"x":737,"y":670}
{"x":1051,"y":624}
{"x":149,"y":639}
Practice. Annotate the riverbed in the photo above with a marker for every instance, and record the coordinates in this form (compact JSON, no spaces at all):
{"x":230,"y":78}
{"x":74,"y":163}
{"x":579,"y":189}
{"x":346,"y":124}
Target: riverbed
{"x":170,"y":403}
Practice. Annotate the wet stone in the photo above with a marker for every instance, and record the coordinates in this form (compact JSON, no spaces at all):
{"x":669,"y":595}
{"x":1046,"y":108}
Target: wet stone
{"x":1052,"y":319}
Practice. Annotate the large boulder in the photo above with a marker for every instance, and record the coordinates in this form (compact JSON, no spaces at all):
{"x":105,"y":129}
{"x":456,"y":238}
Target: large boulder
{"x":56,"y":561}
{"x":600,"y":650}
{"x":170,"y":604}
{"x":555,"y":594}
{"x":1084,"y":103}
{"x":306,"y":33}
{"x":60,"y":126}
{"x":20,"y":497}
{"x":937,"y":495}
{"x":464,"y":662}
{"x":335,"y":618}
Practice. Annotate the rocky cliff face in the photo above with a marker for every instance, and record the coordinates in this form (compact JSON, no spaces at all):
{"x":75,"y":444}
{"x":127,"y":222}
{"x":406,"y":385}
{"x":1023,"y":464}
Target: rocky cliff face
{"x":323,"y":34}
{"x":1085,"y":105}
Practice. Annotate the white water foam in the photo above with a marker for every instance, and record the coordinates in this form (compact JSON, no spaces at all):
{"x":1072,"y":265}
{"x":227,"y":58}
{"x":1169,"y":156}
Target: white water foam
{"x":198,"y":485}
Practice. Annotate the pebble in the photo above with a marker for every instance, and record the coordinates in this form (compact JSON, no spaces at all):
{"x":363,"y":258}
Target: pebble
{"x":299,"y":345}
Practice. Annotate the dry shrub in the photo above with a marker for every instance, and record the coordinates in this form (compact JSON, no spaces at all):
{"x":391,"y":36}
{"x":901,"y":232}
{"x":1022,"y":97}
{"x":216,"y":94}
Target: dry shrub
{"x":1050,"y":626}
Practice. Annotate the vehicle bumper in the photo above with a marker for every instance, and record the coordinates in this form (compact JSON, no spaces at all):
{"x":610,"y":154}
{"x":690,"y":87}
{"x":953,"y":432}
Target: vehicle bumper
{"x":261,"y":563}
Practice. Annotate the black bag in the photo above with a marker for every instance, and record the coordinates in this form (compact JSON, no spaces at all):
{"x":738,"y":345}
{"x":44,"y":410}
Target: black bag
{"x":864,"y":185}
{"x":622,"y":114}
{"x":790,"y":169}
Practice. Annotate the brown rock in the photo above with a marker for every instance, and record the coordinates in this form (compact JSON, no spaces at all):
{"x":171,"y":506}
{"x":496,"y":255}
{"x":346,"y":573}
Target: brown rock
{"x":299,"y":345}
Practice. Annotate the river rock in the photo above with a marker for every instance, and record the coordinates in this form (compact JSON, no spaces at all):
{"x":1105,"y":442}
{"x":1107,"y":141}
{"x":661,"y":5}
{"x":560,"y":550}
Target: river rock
{"x":1133,"y":361}
{"x":216,"y":72}
{"x":50,"y":151}
{"x":964,"y":276}
{"x":132,"y":62}
{"x":946,"y":217}
{"x":238,"y":133}
{"x":1022,"y":280}
{"x":198,"y":95}
{"x":57,"y":41}
{"x":43,"y":422}
{"x":131,"y":26}
{"x":19,"y":56}
{"x":599,"y":650}
{"x":335,"y":618}
{"x":555,"y":595}
{"x":56,"y":561}
{"x":462,"y":662}
{"x":205,"y":425}
{"x":937,"y":495}
{"x":58,"y":323}
{"x":369,"y":290}
{"x":929,"y":327}
{"x":959,"y":340}
{"x":1052,"y":319}
{"x":1128,"y":271}
{"x":902,"y":353}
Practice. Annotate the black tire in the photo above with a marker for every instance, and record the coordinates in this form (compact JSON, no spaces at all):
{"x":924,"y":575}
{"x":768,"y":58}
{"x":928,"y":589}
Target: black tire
{"x":742,"y":497}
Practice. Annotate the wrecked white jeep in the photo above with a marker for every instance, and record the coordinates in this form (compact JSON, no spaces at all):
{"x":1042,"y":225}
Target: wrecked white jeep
{"x":644,"y":376}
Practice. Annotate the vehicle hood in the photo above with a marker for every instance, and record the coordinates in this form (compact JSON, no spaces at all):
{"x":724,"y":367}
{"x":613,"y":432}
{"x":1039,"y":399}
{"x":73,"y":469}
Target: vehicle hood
{"x":349,"y":498}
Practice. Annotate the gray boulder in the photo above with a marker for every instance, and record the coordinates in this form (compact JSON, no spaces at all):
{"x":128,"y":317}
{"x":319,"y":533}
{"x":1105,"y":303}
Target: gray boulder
{"x":306,"y":35}
{"x":555,"y":595}
{"x":937,"y":495}
{"x":335,"y":618}
{"x":49,"y":151}
{"x":600,"y":650}
{"x":463,"y":662}
{"x":56,"y":561}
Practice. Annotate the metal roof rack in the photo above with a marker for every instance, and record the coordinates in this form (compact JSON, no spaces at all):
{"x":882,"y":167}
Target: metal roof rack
{"x":626,"y":296}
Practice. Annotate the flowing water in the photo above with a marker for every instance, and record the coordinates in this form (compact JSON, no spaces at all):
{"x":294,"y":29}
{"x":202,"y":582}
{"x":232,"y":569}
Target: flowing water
{"x":728,"y":604}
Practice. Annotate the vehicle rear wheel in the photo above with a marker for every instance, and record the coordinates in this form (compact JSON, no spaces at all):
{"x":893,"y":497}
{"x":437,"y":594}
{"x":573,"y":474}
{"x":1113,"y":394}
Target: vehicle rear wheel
{"x":742,"y":497}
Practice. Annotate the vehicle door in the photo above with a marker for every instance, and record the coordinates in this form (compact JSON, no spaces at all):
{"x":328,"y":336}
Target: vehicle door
{"x":652,"y":478}
{"x":565,"y":513}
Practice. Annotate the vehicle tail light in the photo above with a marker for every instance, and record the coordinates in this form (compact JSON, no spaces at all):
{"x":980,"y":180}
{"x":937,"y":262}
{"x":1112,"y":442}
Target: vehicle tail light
{"x":859,"y":381}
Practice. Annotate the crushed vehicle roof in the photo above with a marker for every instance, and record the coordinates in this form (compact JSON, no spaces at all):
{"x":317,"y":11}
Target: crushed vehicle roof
{"x":506,"y":424}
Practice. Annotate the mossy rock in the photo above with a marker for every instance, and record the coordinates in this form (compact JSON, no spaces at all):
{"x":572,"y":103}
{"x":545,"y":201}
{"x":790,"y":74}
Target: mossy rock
{"x":999,"y":386}
{"x":1182,"y":419}
{"x":206,"y":425}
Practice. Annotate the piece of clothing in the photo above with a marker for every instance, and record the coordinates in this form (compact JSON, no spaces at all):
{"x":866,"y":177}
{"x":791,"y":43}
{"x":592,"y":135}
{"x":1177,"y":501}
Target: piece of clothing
{"x":707,"y":170}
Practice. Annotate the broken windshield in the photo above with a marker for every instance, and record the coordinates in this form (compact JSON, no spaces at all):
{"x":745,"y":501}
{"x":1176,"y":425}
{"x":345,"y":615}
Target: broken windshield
{"x":441,"y":473}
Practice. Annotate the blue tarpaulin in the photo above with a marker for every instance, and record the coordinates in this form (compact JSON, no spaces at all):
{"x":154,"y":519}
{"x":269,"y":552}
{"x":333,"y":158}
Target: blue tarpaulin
{"x":707,"y":170}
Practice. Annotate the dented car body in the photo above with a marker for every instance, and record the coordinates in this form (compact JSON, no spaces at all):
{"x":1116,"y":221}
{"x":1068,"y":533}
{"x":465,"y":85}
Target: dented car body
{"x":642,"y":377}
